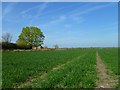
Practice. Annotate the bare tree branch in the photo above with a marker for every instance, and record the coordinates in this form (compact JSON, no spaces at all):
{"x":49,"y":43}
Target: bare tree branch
{"x":7,"y":37}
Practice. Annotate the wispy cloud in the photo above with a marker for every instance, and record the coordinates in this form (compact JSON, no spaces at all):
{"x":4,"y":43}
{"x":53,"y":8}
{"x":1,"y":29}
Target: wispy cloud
{"x":78,"y":19}
{"x":39,"y":11}
{"x":42,"y":7}
{"x":59,"y":19}
{"x":39,"y":7}
{"x":58,"y":9}
{"x":67,"y":25}
{"x":9,"y":8}
{"x":63,"y":20}
{"x":77,"y":14}
{"x":90,"y":9}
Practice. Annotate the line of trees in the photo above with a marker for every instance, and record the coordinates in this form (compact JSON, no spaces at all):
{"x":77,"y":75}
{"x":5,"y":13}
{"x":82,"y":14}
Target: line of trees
{"x":29,"y":37}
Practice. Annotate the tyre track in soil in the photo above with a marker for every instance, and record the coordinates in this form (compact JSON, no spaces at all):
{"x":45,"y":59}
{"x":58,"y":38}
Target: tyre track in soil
{"x":105,"y":80}
{"x":44,"y":74}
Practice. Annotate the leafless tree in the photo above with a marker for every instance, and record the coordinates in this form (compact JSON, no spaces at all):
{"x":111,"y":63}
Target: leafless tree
{"x":7,"y":37}
{"x":56,"y":46}
{"x":45,"y":47}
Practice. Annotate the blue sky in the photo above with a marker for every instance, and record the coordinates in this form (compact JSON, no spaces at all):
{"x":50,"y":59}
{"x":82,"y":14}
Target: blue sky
{"x":68,"y":24}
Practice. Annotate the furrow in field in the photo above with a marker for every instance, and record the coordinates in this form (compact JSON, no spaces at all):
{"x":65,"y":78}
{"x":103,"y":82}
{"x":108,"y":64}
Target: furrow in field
{"x":44,"y":75}
{"x":79,"y":73}
{"x":105,"y":80}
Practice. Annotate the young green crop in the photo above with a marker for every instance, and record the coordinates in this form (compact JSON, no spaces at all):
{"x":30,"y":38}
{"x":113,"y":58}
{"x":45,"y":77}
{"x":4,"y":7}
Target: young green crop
{"x":110,"y":58}
{"x":74,"y":68}
{"x":20,"y":66}
{"x":79,"y":73}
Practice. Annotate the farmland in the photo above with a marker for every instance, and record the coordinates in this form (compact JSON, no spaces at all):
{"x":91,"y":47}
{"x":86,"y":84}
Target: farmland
{"x":75,"y":68}
{"x":110,"y":59}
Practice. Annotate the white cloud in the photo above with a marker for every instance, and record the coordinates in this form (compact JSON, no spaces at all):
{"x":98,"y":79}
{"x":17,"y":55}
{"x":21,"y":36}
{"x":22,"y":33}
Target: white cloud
{"x":74,"y":15}
{"x":39,"y":11}
{"x":59,"y":20}
{"x":8,"y":9}
{"x":39,"y":7}
{"x":78,"y":13}
{"x":56,"y":21}
{"x":67,"y":25}
{"x":62,"y":17}
{"x":25,"y":11}
{"x":78,"y":19}
{"x":58,"y":9}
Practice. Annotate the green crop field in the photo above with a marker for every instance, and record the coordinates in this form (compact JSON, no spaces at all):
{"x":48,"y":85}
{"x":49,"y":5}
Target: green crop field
{"x":75,"y":68}
{"x":110,"y":58}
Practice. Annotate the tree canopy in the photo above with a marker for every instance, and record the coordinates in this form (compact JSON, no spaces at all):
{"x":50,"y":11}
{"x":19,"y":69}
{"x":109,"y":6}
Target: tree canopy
{"x":31,"y":36}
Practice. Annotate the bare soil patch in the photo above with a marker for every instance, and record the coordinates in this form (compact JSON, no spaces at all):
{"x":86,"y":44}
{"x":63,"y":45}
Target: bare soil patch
{"x":105,"y":80}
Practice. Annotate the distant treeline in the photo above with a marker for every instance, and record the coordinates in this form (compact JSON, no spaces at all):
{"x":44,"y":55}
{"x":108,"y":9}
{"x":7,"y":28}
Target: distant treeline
{"x":11,"y":46}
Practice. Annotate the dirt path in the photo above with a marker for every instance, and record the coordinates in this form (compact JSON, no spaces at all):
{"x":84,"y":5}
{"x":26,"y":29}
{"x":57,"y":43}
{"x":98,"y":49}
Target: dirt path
{"x":105,"y":80}
{"x":44,"y":75}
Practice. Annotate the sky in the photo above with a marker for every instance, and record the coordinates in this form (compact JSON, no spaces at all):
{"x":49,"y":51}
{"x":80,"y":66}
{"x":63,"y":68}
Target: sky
{"x":67,"y":24}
